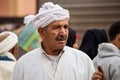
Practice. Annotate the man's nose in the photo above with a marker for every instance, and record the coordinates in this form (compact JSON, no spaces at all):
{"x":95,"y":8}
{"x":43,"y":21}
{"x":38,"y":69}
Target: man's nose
{"x":62,"y":30}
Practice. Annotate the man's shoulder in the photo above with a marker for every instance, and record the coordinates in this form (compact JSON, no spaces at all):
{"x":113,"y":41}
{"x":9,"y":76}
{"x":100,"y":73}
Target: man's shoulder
{"x":30,"y":55}
{"x":78,"y":55}
{"x":75,"y":52}
{"x":67,"y":48}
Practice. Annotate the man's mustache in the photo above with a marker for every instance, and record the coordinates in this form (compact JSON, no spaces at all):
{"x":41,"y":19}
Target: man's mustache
{"x":61,"y":37}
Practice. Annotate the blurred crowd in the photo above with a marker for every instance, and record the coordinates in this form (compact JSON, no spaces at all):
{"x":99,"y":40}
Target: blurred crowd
{"x":101,"y":48}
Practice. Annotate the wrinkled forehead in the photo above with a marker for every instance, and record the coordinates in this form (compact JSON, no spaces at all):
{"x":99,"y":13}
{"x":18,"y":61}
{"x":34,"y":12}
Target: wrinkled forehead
{"x":60,"y":22}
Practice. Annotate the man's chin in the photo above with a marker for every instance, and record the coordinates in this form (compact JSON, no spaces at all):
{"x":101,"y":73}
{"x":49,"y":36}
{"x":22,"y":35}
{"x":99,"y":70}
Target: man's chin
{"x":62,"y":43}
{"x":61,"y":46}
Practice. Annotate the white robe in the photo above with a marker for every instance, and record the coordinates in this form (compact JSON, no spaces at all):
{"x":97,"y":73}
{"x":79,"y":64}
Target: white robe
{"x":6,"y":67}
{"x":73,"y":65}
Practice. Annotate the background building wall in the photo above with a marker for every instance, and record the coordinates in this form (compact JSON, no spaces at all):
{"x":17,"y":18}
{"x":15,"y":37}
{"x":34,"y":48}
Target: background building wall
{"x":17,"y":8}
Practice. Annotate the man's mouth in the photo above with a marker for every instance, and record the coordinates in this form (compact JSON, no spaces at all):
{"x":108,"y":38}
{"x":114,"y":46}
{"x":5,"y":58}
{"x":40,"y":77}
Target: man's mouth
{"x":61,"y":38}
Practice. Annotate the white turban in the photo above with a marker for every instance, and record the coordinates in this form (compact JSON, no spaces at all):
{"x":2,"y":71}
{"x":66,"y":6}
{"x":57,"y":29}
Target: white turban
{"x":48,"y":13}
{"x":28,"y":19}
{"x":9,"y":42}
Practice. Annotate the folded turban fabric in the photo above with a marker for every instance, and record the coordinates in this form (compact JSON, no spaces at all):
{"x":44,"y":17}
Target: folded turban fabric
{"x":48,"y":13}
{"x":28,"y":19}
{"x":9,"y":42}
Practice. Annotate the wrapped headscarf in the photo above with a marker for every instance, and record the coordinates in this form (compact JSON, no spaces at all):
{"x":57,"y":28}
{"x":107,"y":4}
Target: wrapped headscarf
{"x":28,"y":18}
{"x":9,"y":42}
{"x":48,"y":13}
{"x":91,"y":39}
{"x":7,"y":61}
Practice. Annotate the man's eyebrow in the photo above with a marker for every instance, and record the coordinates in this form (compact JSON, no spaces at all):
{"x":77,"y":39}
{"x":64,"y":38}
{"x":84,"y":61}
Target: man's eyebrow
{"x":62,"y":25}
{"x":56,"y":25}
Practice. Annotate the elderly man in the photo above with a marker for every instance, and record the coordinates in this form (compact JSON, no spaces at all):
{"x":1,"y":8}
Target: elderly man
{"x":53,"y":60}
{"x":8,"y":51}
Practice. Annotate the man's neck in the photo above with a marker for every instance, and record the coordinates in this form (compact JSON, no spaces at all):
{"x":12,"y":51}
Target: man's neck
{"x":51,"y":51}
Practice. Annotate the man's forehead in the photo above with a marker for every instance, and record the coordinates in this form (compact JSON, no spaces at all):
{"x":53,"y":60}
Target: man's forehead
{"x":60,"y":22}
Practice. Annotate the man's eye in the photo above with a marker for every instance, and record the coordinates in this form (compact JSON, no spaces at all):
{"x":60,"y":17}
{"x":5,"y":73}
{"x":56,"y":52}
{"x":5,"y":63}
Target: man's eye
{"x":56,"y":27}
{"x":66,"y":26}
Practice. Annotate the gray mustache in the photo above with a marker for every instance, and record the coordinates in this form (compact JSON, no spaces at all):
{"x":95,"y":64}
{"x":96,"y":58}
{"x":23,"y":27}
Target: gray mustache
{"x":61,"y":37}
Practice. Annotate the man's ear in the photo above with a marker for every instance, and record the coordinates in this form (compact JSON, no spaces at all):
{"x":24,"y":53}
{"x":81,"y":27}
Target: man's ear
{"x":41,"y":32}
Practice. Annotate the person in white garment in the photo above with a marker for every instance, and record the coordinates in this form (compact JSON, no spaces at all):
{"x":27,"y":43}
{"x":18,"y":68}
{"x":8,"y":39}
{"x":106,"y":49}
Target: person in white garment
{"x":53,"y":60}
{"x":109,"y":54}
{"x":8,"y":47}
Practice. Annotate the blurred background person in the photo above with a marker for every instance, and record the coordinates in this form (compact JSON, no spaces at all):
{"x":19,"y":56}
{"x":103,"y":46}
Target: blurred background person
{"x":91,"y":39}
{"x":72,"y":39}
{"x":109,"y":54}
{"x":8,"y":53}
{"x":28,"y":36}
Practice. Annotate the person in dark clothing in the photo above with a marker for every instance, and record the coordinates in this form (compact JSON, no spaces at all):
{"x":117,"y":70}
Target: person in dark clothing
{"x":72,"y":39}
{"x":90,"y":41}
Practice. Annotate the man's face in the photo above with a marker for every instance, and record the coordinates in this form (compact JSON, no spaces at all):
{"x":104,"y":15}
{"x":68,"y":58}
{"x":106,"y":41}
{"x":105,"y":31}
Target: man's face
{"x":55,"y":35}
{"x":14,"y":51}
